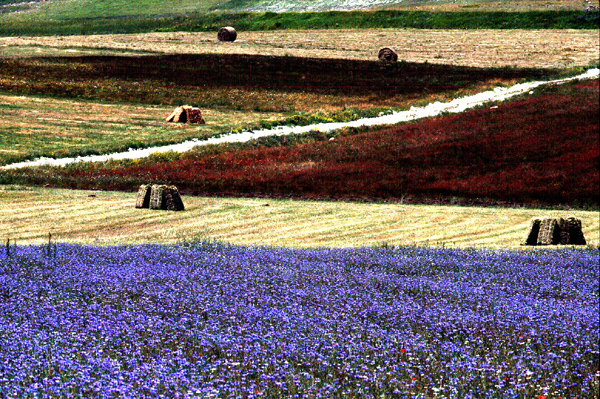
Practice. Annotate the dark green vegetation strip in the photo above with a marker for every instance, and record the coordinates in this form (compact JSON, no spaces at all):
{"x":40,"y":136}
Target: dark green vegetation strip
{"x":308,"y":20}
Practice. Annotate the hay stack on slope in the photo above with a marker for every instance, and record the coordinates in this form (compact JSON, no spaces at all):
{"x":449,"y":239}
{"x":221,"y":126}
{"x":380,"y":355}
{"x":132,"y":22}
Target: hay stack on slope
{"x":176,"y":115}
{"x":143,"y":197}
{"x":551,"y":231}
{"x":571,"y":232}
{"x":186,"y":114}
{"x":165,"y":197}
{"x":156,"y":196}
{"x":227,"y":34}
{"x":534,"y":231}
{"x":172,"y":199}
{"x":387,"y":54}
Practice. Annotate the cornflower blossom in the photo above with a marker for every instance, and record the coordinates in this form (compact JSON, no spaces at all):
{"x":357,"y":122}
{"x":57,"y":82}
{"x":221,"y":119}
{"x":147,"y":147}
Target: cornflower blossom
{"x":216,"y":320}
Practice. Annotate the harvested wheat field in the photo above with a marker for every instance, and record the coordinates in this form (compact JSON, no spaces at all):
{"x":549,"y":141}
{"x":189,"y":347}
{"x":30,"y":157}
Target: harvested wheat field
{"x":105,"y":218}
{"x":480,"y":48}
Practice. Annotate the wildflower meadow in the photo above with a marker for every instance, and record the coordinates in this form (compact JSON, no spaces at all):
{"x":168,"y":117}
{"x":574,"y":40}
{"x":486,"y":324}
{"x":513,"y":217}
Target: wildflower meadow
{"x":207,"y":319}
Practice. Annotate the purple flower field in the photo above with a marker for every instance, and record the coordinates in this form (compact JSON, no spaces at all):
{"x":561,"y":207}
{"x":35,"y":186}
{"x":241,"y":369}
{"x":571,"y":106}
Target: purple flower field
{"x":214,"y":320}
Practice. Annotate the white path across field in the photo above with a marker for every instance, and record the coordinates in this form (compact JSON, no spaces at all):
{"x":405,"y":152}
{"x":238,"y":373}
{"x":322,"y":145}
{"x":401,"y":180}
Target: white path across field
{"x":434,"y":109}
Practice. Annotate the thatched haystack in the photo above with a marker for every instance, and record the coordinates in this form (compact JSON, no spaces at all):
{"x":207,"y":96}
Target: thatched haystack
{"x":186,"y":114}
{"x":165,"y":197}
{"x":387,"y":54}
{"x":156,"y":196}
{"x":227,"y":34}
{"x":551,"y":231}
{"x":534,"y":230}
{"x":172,"y":199}
{"x":571,"y":232}
{"x":143,"y":197}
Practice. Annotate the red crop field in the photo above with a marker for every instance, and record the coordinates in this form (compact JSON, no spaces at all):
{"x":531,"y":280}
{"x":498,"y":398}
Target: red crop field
{"x":542,"y":150}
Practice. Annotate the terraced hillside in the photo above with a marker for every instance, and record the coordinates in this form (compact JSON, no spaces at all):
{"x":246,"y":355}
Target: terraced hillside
{"x":185,"y":313}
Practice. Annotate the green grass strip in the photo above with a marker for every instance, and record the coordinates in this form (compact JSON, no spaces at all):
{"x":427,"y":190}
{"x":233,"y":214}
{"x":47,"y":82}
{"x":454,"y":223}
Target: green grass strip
{"x":308,"y":20}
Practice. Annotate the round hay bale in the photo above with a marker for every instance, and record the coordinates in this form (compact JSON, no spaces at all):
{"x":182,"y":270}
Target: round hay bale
{"x":227,"y":34}
{"x":387,"y":54}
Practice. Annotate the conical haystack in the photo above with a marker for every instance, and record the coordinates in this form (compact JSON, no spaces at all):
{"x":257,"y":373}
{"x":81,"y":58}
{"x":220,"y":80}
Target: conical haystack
{"x":176,"y":115}
{"x":534,"y":230}
{"x":143,"y":197}
{"x":571,"y":232}
{"x":156,"y":196}
{"x":186,"y":114}
{"x":173,"y":200}
{"x":165,"y":197}
{"x":550,"y":231}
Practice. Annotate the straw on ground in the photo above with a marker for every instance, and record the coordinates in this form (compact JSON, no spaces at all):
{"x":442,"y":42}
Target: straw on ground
{"x":95,"y":217}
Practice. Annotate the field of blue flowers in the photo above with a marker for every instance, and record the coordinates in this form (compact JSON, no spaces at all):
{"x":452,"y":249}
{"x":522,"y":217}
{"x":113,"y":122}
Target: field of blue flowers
{"x":216,"y":320}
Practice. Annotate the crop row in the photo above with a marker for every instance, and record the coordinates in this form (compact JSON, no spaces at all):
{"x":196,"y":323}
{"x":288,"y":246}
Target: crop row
{"x":202,"y":319}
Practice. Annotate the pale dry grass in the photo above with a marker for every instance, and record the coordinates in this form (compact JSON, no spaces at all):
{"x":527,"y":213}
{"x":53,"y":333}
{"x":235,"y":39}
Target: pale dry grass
{"x":477,"y":48}
{"x":105,"y":218}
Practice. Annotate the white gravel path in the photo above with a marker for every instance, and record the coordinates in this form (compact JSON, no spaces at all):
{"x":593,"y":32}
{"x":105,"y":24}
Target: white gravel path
{"x":454,"y":106}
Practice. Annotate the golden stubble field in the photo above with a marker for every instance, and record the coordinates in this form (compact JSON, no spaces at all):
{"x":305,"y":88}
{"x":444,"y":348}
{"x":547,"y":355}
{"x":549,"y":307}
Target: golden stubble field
{"x":478,"y":48}
{"x":28,"y":215}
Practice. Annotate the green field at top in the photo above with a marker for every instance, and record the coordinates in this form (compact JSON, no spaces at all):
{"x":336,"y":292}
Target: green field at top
{"x":60,"y":17}
{"x":62,"y":9}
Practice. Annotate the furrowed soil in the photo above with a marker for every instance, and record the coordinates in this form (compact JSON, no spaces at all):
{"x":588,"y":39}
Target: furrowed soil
{"x":107,"y":218}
